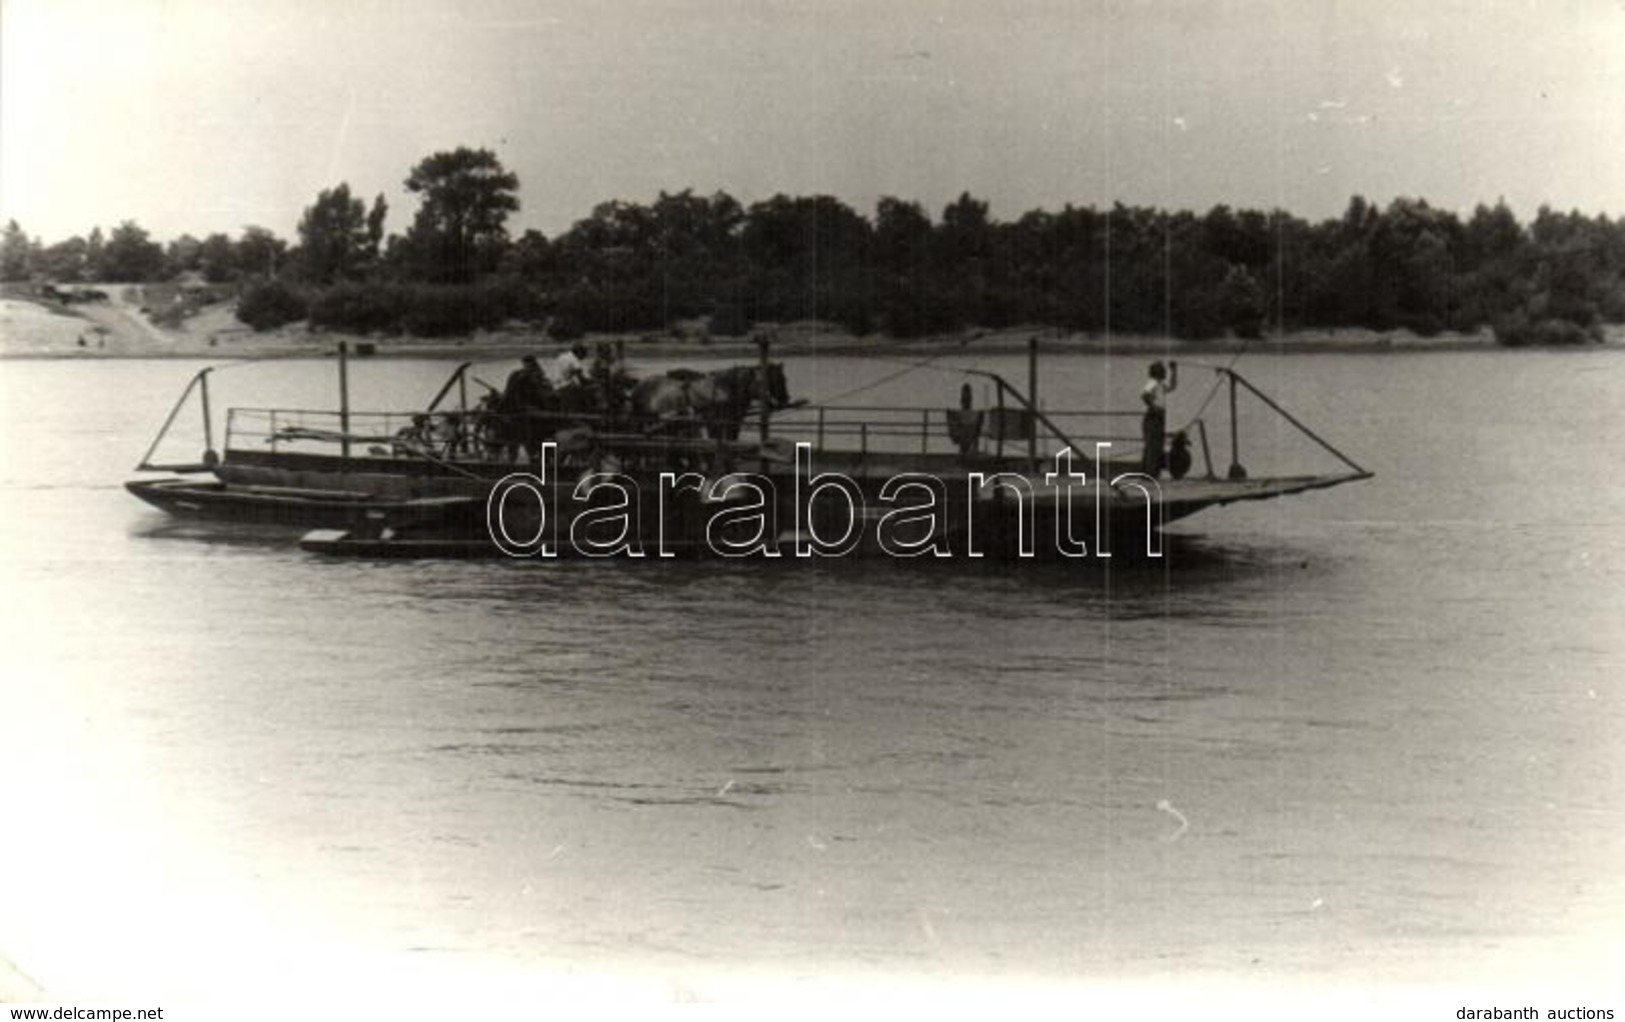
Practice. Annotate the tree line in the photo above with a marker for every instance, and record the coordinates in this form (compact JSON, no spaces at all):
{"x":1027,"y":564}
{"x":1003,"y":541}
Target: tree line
{"x":687,"y":258}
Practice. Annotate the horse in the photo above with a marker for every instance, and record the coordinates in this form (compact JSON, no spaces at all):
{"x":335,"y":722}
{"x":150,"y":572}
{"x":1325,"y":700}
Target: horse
{"x":717,"y":401}
{"x":598,"y":398}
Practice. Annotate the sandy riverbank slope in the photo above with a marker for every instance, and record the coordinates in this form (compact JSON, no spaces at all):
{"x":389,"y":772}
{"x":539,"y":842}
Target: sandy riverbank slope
{"x":115,"y":327}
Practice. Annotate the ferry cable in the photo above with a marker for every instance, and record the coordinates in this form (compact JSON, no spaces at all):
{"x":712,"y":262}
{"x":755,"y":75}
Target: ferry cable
{"x":908,"y":367}
{"x":1218,"y":380}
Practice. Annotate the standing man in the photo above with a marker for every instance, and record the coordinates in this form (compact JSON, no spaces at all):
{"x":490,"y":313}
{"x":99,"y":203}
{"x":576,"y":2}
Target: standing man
{"x":526,"y":399}
{"x":1154,"y":426}
{"x":527,"y":386}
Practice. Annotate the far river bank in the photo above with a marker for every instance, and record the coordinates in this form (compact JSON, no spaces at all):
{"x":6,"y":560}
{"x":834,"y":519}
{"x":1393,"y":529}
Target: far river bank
{"x":119,"y":328}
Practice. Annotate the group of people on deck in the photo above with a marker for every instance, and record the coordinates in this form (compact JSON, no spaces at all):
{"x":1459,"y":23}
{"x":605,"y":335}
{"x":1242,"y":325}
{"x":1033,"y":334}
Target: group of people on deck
{"x":534,"y":404}
{"x":530,"y":387}
{"x":531,"y":392}
{"x":574,"y":382}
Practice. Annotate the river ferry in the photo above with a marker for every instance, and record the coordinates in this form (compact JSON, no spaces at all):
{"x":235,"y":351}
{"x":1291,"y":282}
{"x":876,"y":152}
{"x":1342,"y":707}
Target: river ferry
{"x":724,"y":463}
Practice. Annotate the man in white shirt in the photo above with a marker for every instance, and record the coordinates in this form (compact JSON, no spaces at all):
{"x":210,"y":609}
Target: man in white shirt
{"x":1154,"y":427}
{"x":570,"y":368}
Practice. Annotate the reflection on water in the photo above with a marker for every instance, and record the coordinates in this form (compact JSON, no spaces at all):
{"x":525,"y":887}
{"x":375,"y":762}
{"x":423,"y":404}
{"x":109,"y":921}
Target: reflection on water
{"x":1367,"y":732}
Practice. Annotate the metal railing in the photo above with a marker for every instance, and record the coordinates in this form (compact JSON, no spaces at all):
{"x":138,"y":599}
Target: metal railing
{"x":376,"y":434}
{"x":1012,"y":427}
{"x":884,"y":429}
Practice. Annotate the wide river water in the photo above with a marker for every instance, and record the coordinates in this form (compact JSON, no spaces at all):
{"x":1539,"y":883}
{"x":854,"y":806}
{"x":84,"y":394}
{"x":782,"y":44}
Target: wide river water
{"x":1367,"y":735}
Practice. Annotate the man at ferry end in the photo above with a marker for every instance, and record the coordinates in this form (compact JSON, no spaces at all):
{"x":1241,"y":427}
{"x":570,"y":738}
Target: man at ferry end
{"x":1154,"y":427}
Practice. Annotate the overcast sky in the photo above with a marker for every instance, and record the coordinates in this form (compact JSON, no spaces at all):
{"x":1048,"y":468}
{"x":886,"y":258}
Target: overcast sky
{"x":206,"y":115}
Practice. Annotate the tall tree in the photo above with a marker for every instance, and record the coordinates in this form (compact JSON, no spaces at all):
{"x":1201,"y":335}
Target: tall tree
{"x":606,"y":279}
{"x":458,"y":232}
{"x":1491,"y":234}
{"x":902,"y":236}
{"x":810,"y":258}
{"x":964,"y":243}
{"x":697,"y":252}
{"x":16,"y":254}
{"x":965,"y":237}
{"x":375,"y":228}
{"x":260,"y":252}
{"x":95,"y":255}
{"x":217,"y":258}
{"x":530,"y":257}
{"x":64,"y":261}
{"x":131,"y":255}
{"x":911,"y":297}
{"x":183,"y":255}
{"x":338,"y":238}
{"x":1240,"y":238}
{"x":1412,"y":252}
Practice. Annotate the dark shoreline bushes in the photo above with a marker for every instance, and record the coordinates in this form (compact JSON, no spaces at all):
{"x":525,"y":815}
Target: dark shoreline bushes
{"x":268,"y":304}
{"x":358,"y":308}
{"x":446,"y":310}
{"x":422,"y":310}
{"x":1521,"y":331}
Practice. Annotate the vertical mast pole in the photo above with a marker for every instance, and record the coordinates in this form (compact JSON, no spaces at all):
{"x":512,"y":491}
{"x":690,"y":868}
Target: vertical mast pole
{"x":1032,"y":400}
{"x":762,"y":425}
{"x":344,"y":400}
{"x":208,"y":427}
{"x":1236,"y":471}
{"x":767,"y":402}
